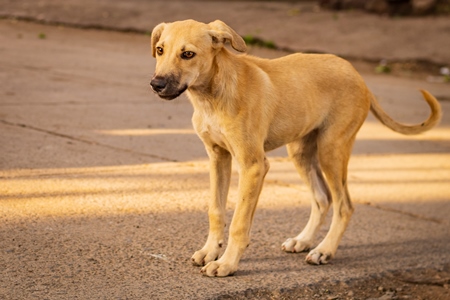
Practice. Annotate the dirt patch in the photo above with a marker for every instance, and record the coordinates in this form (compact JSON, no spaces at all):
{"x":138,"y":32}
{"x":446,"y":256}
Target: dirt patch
{"x":415,"y":284}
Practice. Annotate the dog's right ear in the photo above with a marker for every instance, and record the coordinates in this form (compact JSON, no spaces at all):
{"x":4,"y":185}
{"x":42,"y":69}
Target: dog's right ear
{"x":156,"y":34}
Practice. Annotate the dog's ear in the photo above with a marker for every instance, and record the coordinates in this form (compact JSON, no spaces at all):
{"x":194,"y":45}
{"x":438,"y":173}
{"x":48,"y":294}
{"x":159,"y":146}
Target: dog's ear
{"x":221,"y":33}
{"x":156,"y":34}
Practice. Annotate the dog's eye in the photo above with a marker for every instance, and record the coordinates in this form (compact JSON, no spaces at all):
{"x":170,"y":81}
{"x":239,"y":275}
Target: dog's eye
{"x":187,"y":55}
{"x":159,"y":50}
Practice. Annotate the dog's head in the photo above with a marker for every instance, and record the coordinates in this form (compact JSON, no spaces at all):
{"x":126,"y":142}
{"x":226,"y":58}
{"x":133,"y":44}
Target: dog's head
{"x":184,"y":50}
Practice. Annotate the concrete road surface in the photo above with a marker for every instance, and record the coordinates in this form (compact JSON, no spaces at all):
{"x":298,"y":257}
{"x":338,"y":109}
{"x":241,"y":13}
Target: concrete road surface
{"x":103,"y":187}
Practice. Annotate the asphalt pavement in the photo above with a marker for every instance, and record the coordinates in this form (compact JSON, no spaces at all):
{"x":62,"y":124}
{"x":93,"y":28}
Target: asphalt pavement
{"x":104,"y":187}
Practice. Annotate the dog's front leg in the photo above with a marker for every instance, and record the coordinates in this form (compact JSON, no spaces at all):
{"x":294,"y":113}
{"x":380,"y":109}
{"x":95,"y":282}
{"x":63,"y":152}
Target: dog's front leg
{"x":220,"y":173}
{"x":252,"y":172}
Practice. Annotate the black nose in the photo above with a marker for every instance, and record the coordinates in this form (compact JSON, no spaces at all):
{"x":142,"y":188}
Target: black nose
{"x":158,"y":84}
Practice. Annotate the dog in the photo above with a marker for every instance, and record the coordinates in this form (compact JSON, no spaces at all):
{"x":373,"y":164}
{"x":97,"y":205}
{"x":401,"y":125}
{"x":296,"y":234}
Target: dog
{"x":245,"y":106}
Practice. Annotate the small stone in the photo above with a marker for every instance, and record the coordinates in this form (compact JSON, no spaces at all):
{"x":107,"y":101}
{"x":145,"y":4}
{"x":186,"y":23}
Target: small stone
{"x":350,"y":294}
{"x":387,"y":296}
{"x":381,"y":289}
{"x":248,"y":293}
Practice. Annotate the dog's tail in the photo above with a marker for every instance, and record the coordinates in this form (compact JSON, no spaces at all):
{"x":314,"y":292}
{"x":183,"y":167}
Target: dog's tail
{"x":433,"y":119}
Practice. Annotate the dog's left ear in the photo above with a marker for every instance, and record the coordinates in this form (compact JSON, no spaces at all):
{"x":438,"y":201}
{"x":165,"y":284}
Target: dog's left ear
{"x":221,"y":33}
{"x":156,"y":34}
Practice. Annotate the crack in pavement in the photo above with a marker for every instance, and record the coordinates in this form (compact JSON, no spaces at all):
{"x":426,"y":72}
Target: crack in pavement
{"x":89,"y":142}
{"x":62,"y":103}
{"x":88,"y":26}
{"x":390,"y":209}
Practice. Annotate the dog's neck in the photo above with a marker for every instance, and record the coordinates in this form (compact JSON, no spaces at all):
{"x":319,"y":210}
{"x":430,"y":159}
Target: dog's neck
{"x":218,"y":86}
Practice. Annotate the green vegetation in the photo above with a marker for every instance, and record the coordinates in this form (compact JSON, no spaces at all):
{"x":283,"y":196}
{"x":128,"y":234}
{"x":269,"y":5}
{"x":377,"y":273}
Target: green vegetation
{"x":445,"y":71}
{"x":383,"y":68}
{"x":255,"y":41}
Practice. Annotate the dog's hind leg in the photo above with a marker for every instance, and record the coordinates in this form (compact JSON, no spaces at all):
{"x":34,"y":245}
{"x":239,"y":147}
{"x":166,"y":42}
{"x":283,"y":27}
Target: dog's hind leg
{"x":334,"y":149}
{"x":304,"y":155}
{"x":220,"y":173}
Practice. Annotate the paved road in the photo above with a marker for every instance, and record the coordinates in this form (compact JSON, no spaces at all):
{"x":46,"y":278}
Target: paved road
{"x":103,"y":186}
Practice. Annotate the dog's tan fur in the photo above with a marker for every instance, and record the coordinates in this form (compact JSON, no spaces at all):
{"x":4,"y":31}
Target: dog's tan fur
{"x":245,"y":106}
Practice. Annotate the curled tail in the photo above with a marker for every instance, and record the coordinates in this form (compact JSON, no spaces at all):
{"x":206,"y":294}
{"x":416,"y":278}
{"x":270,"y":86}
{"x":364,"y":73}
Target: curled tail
{"x":433,"y":119}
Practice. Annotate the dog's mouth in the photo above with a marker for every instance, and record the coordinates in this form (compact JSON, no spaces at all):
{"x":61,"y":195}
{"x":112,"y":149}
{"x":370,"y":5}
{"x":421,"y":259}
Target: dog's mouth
{"x":167,"y":88}
{"x":170,"y":95}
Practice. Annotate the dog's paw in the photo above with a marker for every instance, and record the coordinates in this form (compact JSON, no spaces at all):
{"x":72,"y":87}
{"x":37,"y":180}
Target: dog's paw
{"x":318,"y":257}
{"x":218,"y":269}
{"x":204,"y":256}
{"x":295,"y":245}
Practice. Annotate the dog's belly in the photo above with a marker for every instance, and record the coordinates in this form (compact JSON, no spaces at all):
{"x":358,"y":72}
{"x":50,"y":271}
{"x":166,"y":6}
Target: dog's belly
{"x":285,"y":131}
{"x":273,"y":144}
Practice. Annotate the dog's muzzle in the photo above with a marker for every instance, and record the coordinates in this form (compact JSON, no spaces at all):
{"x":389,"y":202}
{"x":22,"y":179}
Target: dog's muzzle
{"x":158,"y":84}
{"x":166,"y":88}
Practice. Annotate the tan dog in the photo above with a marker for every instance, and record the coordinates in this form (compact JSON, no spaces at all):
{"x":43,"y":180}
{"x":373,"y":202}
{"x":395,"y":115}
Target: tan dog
{"x":245,"y":106}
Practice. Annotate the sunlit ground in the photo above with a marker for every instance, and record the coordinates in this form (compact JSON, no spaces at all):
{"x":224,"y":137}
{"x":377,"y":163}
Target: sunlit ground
{"x":406,"y":182}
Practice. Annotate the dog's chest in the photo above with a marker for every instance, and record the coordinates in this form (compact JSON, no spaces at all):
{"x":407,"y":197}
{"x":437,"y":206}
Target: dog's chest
{"x":210,"y":130}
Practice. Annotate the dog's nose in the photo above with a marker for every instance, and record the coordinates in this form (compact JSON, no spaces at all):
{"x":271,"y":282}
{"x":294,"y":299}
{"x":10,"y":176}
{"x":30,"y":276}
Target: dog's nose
{"x":158,"y":84}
